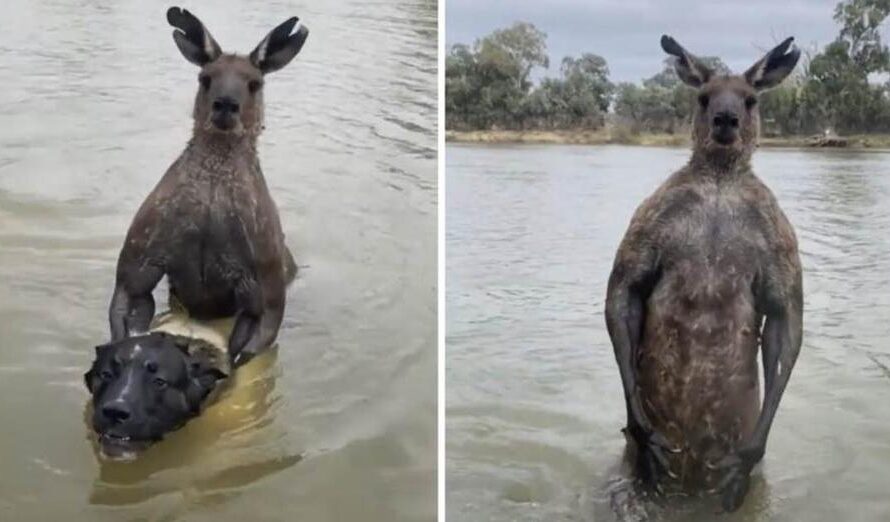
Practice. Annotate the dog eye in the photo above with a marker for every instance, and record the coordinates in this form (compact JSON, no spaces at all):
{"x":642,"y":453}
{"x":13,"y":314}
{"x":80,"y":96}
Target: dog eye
{"x":159,"y":382}
{"x":205,"y":81}
{"x":254,"y":86}
{"x":703,"y":100}
{"x":750,"y":101}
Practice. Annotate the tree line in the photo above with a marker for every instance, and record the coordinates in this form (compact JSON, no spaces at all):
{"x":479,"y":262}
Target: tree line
{"x":842,"y":88}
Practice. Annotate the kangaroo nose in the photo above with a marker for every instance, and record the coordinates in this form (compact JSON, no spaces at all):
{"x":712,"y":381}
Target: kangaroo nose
{"x":726,"y":119}
{"x":225,"y":104}
{"x":116,"y":412}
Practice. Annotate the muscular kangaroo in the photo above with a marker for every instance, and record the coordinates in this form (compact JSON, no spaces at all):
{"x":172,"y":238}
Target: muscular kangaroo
{"x":708,"y":273}
{"x":210,"y":224}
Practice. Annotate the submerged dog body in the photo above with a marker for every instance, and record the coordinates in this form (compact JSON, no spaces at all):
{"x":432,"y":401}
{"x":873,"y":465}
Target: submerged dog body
{"x":210,"y":225}
{"x":707,"y":273}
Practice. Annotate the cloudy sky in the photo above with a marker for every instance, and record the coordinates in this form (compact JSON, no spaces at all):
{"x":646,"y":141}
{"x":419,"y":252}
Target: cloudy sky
{"x":626,"y":32}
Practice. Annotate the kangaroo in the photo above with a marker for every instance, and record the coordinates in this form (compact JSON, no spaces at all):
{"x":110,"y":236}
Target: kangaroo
{"x":708,"y":272}
{"x":210,"y":224}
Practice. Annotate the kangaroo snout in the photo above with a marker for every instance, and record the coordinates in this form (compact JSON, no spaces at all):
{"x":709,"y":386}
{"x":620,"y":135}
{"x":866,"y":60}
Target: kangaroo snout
{"x":725,"y":127}
{"x":726,"y":119}
{"x":224,"y":113}
{"x":226,"y":104}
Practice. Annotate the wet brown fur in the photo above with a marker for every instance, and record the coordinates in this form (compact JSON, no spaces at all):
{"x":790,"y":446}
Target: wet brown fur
{"x":725,"y":250}
{"x":210,"y":225}
{"x":710,"y":254}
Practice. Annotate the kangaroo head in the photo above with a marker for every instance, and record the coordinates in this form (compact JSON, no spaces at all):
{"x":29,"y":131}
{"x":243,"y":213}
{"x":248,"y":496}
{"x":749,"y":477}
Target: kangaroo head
{"x":230,"y":94}
{"x":727,"y":119}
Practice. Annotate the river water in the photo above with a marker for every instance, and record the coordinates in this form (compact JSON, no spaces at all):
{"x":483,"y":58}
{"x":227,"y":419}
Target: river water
{"x":534,"y":403}
{"x":340,"y":422}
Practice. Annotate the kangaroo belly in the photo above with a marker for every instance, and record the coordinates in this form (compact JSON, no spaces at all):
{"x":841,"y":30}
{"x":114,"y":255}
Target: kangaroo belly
{"x":698,"y":370}
{"x":206,"y":269}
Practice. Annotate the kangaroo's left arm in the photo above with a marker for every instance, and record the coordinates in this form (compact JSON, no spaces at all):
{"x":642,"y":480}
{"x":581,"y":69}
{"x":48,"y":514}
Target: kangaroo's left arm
{"x":779,"y":298}
{"x":259,"y":298}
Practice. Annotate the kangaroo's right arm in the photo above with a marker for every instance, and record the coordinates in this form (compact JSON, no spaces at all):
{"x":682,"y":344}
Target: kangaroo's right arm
{"x":139,"y":270}
{"x":634,"y":274}
{"x":630,"y":282}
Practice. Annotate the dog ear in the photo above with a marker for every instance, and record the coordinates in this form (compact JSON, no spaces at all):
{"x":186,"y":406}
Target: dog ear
{"x":182,"y":343}
{"x":202,"y":380}
{"x":88,"y":379}
{"x":88,"y":376}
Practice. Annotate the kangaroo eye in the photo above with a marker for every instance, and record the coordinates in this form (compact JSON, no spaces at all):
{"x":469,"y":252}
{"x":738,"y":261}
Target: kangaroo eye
{"x":159,"y":382}
{"x":750,"y":101}
{"x":703,"y":100}
{"x":254,"y":86}
{"x":106,"y":375}
{"x":205,"y":81}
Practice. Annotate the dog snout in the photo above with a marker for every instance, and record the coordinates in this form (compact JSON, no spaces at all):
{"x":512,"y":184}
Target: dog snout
{"x":116,"y":412}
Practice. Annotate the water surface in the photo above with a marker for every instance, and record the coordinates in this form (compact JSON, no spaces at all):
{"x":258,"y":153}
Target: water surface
{"x":534,"y":401}
{"x":340,"y":422}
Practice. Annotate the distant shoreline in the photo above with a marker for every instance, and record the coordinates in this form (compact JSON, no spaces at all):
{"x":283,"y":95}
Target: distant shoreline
{"x":604,"y":137}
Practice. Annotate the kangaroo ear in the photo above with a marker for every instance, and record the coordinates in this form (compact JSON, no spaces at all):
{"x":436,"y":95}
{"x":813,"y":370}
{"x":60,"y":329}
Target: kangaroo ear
{"x":689,"y":69}
{"x":192,"y":38}
{"x":279,"y":47}
{"x":770,"y":70}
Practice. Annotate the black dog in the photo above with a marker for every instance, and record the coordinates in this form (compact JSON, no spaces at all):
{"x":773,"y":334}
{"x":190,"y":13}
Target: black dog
{"x":146,"y":386}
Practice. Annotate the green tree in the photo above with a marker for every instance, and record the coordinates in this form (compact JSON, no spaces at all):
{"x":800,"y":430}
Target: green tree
{"x":514,"y":51}
{"x":860,"y":20}
{"x":461,"y":87}
{"x":485,"y":86}
{"x":578,"y":99}
{"x":836,"y":93}
{"x":489,"y":85}
{"x":588,"y":77}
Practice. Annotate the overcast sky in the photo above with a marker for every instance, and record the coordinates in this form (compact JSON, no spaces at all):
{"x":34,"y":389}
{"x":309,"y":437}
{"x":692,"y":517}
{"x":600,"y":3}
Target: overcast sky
{"x":626,"y":32}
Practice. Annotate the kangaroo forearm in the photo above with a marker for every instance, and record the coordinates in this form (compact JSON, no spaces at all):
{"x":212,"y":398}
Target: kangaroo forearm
{"x":117,"y":313}
{"x":781,"y":345}
{"x":142,"y":310}
{"x":267,"y":331}
{"x":624,"y":322}
{"x":129,"y":314}
{"x":246,"y":328}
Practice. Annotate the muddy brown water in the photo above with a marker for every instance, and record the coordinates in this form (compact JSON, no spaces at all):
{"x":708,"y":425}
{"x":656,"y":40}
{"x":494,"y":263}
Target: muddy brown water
{"x":534,"y":403}
{"x":340,"y":422}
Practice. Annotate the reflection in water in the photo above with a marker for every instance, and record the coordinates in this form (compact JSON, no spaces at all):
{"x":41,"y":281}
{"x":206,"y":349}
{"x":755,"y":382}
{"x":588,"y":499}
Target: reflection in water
{"x":534,"y":404}
{"x":96,"y":104}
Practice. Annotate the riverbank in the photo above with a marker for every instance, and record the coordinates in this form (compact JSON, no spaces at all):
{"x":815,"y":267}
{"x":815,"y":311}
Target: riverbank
{"x":605,"y":137}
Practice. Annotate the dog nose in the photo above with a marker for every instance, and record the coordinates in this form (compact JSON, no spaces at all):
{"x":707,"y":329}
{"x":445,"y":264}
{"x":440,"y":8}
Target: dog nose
{"x":225,"y":104}
{"x":726,"y":119}
{"x":116,"y":412}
